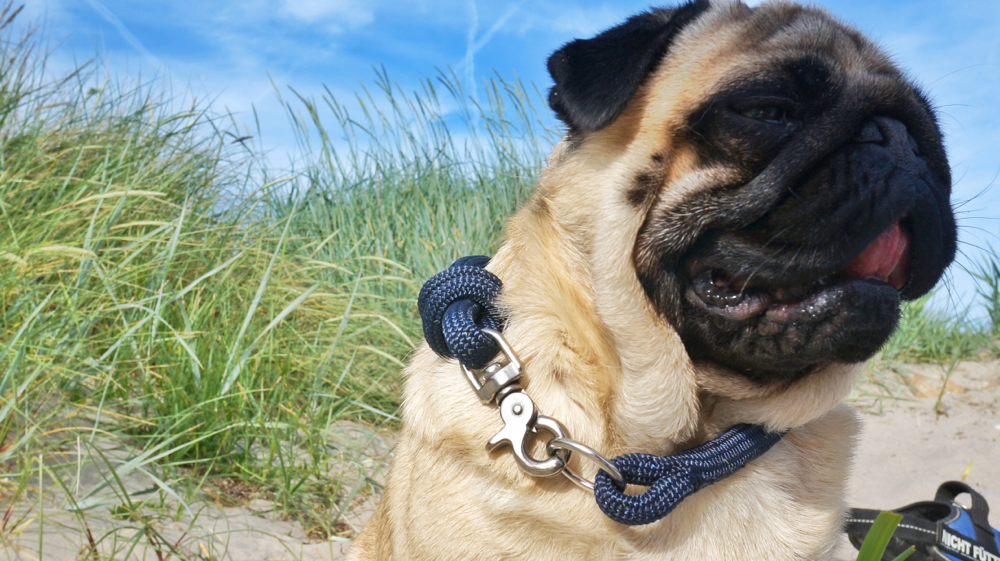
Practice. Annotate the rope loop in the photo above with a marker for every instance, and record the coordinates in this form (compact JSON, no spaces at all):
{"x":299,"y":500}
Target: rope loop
{"x":455,"y":305}
{"x":672,"y":478}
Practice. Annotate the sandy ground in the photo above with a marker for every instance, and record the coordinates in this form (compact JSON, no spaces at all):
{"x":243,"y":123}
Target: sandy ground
{"x":907,"y":448}
{"x":94,"y":525}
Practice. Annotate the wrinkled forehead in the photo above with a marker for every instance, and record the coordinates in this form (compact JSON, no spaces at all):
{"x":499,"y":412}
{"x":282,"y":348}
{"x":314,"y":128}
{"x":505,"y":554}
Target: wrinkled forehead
{"x":784,"y":31}
{"x":733,"y":44}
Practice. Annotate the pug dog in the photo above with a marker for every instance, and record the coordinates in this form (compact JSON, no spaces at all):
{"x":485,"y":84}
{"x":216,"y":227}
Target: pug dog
{"x":741,"y":201}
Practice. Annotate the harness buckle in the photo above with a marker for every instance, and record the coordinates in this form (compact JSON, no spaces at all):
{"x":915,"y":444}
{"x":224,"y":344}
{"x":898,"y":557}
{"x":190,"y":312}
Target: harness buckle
{"x":490,"y":382}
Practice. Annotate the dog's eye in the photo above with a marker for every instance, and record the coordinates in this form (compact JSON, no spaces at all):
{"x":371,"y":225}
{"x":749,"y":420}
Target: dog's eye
{"x":766,"y":113}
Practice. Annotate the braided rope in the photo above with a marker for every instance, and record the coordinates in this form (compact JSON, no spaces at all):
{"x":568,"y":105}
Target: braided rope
{"x":457,"y":303}
{"x":672,"y":478}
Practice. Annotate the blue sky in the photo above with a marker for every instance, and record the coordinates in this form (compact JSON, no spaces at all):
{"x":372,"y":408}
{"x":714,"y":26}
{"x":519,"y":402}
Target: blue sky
{"x":231,"y":51}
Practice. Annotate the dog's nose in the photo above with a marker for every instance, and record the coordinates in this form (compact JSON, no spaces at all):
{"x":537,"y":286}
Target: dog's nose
{"x":885,"y":131}
{"x":869,"y":133}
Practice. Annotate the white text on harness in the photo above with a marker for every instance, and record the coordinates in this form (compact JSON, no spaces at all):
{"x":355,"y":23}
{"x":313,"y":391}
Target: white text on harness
{"x":965,"y":547}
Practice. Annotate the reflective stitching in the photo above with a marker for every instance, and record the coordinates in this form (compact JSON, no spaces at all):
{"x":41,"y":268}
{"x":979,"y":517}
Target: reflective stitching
{"x":925,"y":530}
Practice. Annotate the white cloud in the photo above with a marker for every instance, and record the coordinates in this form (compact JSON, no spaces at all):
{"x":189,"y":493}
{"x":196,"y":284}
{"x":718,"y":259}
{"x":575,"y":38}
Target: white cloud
{"x":41,"y":11}
{"x":568,"y":21}
{"x":343,"y":14}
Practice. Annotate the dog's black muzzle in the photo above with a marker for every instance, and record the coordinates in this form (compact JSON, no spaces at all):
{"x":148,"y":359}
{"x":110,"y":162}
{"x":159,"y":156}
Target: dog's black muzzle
{"x":819,"y":278}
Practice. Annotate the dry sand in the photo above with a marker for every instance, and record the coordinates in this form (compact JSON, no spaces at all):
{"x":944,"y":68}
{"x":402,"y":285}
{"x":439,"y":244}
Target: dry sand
{"x":907,"y":448}
{"x":50,"y":528}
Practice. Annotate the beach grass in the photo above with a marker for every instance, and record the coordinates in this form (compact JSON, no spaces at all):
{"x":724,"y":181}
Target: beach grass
{"x":149,"y":292}
{"x":223,"y":321}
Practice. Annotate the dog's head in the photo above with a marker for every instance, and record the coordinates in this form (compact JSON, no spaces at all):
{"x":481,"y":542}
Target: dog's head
{"x":783,"y":184}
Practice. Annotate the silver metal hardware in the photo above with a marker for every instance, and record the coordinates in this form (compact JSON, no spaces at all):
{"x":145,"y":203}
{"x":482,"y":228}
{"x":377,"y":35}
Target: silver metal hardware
{"x":497,"y":383}
{"x":519,"y":431}
{"x":490,"y":382}
{"x":561,"y":444}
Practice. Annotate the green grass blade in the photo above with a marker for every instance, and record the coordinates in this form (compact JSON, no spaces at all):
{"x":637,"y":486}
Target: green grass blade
{"x":878,"y":536}
{"x":234,"y":374}
{"x":906,"y":554}
{"x":233,"y":371}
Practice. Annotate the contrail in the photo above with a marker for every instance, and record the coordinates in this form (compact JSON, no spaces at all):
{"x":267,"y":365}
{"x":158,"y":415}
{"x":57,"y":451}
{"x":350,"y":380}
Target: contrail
{"x":473,"y":45}
{"x":470,"y":49}
{"x":132,"y":39}
{"x":511,"y":10}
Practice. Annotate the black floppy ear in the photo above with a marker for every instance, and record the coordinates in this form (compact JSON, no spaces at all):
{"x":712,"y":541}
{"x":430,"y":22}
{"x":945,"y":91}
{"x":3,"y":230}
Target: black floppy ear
{"x":596,"y":77}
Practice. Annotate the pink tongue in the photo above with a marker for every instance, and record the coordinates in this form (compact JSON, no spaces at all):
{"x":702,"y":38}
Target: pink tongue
{"x":886,"y":259}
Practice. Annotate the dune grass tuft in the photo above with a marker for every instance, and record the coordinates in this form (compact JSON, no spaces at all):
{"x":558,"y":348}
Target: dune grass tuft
{"x":138,"y":299}
{"x":161,"y":287}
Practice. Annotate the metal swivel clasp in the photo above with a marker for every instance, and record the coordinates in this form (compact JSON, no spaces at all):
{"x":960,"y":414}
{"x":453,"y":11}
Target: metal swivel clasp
{"x":521,"y":422}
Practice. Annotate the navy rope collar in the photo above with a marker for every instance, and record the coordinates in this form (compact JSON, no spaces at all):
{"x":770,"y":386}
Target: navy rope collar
{"x":456,"y":304}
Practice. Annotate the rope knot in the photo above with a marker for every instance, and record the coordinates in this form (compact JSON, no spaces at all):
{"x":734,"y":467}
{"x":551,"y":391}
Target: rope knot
{"x":455,"y":305}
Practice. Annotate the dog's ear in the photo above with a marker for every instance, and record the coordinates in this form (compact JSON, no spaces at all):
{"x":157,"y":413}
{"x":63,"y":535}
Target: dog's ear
{"x":595,"y":78}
